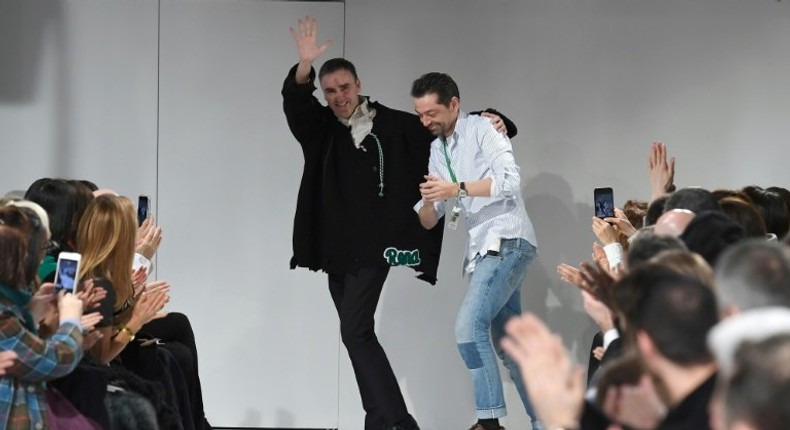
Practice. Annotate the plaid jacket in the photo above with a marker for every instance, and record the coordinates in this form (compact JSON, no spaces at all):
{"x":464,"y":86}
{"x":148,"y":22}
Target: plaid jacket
{"x":22,"y":404}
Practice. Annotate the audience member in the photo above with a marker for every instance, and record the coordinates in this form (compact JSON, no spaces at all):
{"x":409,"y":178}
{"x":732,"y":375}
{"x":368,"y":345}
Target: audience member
{"x":654,"y":211}
{"x":674,"y":222}
{"x":710,"y":233}
{"x":745,"y":215}
{"x":37,"y":359}
{"x":696,"y":200}
{"x":753,"y":274}
{"x":773,"y":209}
{"x":755,"y":396}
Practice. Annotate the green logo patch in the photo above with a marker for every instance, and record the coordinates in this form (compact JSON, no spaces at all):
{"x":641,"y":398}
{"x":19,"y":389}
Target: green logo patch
{"x":396,"y":257}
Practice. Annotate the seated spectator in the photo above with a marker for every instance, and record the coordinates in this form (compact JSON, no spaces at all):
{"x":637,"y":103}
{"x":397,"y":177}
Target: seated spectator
{"x":65,"y":202}
{"x":745,"y":215}
{"x":710,"y":233}
{"x":655,"y":210}
{"x":755,"y":396}
{"x":647,"y":244}
{"x":686,"y":263}
{"x":696,"y":200}
{"x":668,"y":317}
{"x":753,"y":274}
{"x":37,"y":359}
{"x":673,"y":222}
{"x":773,"y":209}
{"x":106,"y":239}
{"x":722,"y":193}
{"x":635,"y":212}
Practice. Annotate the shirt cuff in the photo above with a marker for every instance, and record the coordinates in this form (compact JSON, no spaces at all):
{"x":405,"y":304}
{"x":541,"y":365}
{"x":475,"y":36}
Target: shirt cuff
{"x":74,"y":321}
{"x":610,"y":336}
{"x":141,"y":261}
{"x":492,"y":192}
{"x":614,"y":254}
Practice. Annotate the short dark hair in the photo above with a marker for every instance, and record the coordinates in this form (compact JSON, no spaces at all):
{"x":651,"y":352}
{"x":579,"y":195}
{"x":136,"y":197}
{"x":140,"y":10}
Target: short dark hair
{"x":647,"y":245}
{"x":676,"y":311}
{"x":754,"y":274}
{"x":336,"y":64}
{"x":697,"y":200}
{"x":654,"y":211}
{"x":760,"y":386}
{"x":65,"y":202}
{"x":772,"y":207}
{"x":745,"y":215}
{"x":91,"y":186}
{"x":437,"y":83}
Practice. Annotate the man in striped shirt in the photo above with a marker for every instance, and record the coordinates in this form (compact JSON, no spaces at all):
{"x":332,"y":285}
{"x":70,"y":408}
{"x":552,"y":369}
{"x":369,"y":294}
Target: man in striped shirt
{"x":474,"y":174}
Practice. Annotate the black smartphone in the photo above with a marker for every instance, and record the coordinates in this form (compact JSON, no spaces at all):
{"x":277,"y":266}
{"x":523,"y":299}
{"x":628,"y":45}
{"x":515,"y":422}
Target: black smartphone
{"x":604,"y":202}
{"x":143,"y":208}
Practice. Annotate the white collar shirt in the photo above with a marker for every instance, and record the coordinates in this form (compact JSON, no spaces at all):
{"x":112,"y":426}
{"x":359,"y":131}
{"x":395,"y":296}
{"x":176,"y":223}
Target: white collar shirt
{"x":477,"y":151}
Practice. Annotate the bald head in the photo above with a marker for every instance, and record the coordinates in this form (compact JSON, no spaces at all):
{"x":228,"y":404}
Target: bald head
{"x":103,"y":191}
{"x":674,"y":222}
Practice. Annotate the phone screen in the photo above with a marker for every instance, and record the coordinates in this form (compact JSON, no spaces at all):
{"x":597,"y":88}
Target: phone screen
{"x":67,"y":274}
{"x":604,"y":202}
{"x":142,"y":209}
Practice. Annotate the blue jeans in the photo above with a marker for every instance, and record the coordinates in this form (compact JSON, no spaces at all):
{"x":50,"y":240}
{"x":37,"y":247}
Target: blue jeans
{"x":494,"y":296}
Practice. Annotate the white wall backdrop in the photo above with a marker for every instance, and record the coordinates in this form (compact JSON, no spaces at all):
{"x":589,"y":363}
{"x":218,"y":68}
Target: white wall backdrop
{"x":78,"y":93}
{"x":229,"y":173}
{"x":191,"y":115}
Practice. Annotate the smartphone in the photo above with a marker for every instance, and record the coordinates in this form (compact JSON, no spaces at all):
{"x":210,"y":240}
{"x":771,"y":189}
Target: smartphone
{"x":67,"y":271}
{"x":143,"y":208}
{"x":604,"y":202}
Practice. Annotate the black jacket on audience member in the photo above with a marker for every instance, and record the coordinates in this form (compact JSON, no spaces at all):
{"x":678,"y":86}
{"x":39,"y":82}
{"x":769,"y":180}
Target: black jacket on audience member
{"x":690,"y":414}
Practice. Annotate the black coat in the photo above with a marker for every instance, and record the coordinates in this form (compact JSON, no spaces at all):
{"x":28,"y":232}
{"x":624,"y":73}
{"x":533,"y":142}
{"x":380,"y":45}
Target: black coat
{"x":341,"y":222}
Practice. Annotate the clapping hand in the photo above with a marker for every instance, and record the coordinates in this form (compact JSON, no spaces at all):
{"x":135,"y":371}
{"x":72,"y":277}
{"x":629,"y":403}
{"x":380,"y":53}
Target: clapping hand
{"x":554,"y":384}
{"x":149,"y":237}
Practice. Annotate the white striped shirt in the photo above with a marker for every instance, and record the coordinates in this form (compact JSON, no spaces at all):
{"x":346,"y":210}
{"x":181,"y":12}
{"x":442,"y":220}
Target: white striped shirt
{"x":477,"y":151}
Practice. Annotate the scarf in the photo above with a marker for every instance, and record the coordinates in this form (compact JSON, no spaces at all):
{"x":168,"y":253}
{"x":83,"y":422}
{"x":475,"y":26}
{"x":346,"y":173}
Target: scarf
{"x":20,"y":299}
{"x":361,"y":122}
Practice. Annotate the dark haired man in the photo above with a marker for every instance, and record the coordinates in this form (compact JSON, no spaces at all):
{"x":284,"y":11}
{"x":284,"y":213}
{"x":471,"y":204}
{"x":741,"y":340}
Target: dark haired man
{"x":354,"y":218}
{"x":474,"y":172}
{"x":669,"y":317}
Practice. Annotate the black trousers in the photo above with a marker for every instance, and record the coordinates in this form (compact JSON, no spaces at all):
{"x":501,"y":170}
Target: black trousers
{"x":356,"y":296}
{"x":175,"y":330}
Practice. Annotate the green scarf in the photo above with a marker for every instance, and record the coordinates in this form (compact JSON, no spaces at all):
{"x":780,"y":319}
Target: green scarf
{"x":20,"y":299}
{"x":47,"y":267}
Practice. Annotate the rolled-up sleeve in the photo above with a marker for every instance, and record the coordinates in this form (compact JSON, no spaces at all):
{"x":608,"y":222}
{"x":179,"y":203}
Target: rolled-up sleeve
{"x":498,"y":152}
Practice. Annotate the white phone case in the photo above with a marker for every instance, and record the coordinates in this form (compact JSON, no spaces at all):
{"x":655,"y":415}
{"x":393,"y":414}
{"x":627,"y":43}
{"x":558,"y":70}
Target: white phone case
{"x":67,"y":271}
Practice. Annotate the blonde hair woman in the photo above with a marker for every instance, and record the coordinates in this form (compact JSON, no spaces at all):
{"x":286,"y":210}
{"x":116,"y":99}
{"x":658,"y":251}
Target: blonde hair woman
{"x":106,"y":239}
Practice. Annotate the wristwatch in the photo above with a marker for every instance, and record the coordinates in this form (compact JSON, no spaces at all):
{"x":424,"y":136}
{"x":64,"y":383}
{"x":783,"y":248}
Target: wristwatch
{"x":462,"y":190}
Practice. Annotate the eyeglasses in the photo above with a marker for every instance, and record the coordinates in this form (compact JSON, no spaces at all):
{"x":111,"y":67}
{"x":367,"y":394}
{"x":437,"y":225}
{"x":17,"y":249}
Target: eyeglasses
{"x":51,"y":245}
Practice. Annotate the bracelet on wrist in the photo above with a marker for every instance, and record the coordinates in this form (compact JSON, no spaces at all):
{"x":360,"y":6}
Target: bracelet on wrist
{"x":128,"y":331}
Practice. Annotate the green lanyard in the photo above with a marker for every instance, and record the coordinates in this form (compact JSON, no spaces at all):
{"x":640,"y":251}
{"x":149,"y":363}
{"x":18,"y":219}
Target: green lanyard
{"x":447,"y":159}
